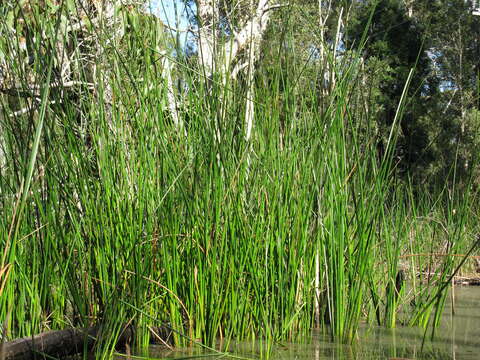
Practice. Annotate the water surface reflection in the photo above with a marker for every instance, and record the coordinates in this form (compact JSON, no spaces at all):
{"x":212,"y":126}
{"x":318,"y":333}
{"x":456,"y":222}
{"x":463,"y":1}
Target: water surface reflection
{"x":457,"y":339}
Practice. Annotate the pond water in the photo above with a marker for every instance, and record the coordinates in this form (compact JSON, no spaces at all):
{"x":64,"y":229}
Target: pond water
{"x":458,"y":338}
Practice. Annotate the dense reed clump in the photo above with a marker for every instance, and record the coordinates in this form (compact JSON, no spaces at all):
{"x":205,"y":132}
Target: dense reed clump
{"x":114,"y":214}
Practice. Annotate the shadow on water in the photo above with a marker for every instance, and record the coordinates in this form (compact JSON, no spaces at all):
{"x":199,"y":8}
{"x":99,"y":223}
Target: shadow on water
{"x":457,"y":338}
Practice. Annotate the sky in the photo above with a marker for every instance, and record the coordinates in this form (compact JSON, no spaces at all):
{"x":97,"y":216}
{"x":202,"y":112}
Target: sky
{"x":165,"y":10}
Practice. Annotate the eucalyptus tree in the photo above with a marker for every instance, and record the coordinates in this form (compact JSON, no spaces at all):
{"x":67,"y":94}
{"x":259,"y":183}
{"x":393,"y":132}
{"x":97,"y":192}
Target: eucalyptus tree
{"x":228,"y":38}
{"x":454,"y":31}
{"x":448,"y":119}
{"x":74,"y":38}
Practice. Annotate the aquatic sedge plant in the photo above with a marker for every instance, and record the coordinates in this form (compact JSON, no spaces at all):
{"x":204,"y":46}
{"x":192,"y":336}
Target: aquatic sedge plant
{"x":126,"y":220}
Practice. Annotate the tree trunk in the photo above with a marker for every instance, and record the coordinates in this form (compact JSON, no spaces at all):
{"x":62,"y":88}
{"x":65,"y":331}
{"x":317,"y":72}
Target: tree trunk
{"x":218,"y":58}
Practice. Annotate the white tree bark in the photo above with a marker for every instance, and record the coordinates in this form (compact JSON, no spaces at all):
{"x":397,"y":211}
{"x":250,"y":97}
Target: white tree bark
{"x":207,"y":13}
{"x":172,"y":99}
{"x":217,"y":56}
{"x":409,"y":7}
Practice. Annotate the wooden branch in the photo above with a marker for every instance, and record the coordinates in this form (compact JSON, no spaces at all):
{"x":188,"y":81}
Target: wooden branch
{"x":440,"y":254}
{"x":34,"y":90}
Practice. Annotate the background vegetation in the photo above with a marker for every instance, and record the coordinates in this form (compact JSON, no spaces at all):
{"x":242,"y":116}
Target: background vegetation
{"x":135,"y":188}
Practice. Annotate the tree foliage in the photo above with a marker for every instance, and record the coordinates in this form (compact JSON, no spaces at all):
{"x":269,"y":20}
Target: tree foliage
{"x":439,"y":40}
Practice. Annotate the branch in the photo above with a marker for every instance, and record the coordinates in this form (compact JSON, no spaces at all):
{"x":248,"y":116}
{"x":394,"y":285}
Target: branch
{"x":274,"y":7}
{"x":33,"y":91}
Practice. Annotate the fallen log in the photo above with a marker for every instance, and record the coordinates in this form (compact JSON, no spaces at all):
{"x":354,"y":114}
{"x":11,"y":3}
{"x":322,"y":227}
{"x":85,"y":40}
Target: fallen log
{"x":62,"y":343}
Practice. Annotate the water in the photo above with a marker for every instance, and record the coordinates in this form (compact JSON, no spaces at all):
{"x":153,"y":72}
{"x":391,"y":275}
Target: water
{"x":458,"y":338}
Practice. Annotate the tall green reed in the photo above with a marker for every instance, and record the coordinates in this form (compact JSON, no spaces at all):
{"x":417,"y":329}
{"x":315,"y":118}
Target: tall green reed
{"x":131,"y":221}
